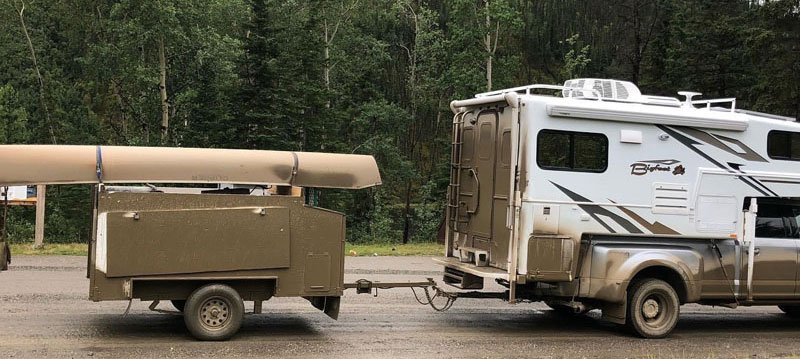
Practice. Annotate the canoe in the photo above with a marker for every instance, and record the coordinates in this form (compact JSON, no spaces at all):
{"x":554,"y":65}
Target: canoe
{"x":52,"y":164}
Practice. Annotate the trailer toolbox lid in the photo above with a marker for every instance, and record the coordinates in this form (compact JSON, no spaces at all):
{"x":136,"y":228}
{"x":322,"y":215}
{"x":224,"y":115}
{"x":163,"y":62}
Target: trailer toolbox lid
{"x":51,"y":164}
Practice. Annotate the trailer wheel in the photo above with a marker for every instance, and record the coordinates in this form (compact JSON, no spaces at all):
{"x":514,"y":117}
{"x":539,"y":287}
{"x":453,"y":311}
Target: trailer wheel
{"x":791,"y":310}
{"x":178,"y":304}
{"x":653,"y":308}
{"x":213,"y":312}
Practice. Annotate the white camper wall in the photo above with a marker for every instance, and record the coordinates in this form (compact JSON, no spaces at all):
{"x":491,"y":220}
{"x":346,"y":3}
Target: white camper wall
{"x":694,"y":199}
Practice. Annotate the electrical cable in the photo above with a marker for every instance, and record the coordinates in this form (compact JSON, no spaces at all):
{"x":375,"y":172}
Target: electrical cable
{"x":451,"y":298}
{"x":724,"y":272}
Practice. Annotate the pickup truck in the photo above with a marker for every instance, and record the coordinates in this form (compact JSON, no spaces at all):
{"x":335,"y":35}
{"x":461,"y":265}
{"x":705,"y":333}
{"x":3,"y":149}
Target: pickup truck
{"x":642,"y":281}
{"x":598,"y":196}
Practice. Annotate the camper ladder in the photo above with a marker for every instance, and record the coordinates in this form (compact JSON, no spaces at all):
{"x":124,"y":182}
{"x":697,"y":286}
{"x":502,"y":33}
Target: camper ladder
{"x":454,"y":189}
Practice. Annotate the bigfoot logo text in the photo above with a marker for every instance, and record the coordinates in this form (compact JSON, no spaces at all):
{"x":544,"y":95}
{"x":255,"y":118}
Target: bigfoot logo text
{"x":642,"y":168}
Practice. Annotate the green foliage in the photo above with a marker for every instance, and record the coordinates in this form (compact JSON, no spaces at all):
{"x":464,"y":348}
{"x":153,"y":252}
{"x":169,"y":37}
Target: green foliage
{"x":13,"y":117}
{"x":576,"y":59}
{"x":355,"y":76}
{"x":20,"y":225}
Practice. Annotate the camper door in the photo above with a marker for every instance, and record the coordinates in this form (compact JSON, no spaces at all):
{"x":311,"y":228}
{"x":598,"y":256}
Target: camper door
{"x":483,"y":183}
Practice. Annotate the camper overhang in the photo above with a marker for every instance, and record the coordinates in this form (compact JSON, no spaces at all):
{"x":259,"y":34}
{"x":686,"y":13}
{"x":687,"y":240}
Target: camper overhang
{"x":639,"y":113}
{"x":49,"y":164}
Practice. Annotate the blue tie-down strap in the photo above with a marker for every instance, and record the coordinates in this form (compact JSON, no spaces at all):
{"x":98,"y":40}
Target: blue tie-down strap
{"x":99,"y":165}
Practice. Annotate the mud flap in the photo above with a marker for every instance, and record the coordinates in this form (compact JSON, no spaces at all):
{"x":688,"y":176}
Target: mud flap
{"x":328,"y":305}
{"x":614,"y":312}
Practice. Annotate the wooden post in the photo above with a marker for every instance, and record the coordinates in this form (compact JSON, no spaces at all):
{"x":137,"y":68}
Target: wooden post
{"x":5,"y":256}
{"x":40,"y":205}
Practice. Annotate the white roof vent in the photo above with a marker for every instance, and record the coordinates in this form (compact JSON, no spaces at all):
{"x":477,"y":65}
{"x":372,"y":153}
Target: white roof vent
{"x":604,"y":88}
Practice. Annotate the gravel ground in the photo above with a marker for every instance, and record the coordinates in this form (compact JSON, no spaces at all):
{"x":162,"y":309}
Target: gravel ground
{"x":44,"y":313}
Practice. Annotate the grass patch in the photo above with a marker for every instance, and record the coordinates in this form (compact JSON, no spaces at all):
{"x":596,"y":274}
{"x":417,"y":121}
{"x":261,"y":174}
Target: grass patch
{"x":394,"y":249}
{"x":383,"y":249}
{"x":70,"y":249}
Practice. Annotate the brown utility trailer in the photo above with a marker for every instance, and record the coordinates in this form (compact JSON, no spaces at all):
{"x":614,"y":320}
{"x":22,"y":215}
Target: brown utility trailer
{"x":206,"y":250}
{"x":175,"y":246}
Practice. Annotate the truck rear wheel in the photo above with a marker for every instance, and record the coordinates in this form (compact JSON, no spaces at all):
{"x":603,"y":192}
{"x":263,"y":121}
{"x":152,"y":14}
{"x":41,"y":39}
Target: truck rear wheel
{"x":791,"y":310}
{"x":214,"y":312}
{"x":653,"y":308}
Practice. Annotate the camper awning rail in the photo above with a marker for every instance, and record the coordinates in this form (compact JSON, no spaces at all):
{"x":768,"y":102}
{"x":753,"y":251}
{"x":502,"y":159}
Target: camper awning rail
{"x":49,"y":164}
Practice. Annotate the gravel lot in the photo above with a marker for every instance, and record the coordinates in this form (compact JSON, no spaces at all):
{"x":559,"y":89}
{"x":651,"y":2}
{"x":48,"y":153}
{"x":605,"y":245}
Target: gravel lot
{"x":44,"y":313}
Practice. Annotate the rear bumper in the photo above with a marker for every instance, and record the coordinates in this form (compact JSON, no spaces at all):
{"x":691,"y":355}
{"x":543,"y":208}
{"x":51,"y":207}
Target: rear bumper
{"x":484,"y":272}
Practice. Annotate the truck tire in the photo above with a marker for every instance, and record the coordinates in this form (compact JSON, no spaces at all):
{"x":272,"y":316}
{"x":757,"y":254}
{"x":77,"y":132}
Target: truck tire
{"x":178,"y":304}
{"x":213,"y":312}
{"x":791,"y":310}
{"x":653,"y":308}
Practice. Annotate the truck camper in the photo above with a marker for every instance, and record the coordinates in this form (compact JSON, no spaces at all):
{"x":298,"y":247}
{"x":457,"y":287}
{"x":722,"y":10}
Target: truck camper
{"x":592,"y":195}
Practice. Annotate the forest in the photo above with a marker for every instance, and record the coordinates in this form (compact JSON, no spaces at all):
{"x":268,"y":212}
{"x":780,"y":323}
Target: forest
{"x":354,"y":76}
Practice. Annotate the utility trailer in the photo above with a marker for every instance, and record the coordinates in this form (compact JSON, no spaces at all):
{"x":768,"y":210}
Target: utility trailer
{"x":592,"y":195}
{"x":206,"y":249}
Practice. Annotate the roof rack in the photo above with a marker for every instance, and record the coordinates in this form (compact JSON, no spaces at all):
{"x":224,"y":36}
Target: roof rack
{"x":765,"y":115}
{"x":595,"y":95}
{"x":707,"y":103}
{"x":527,"y":90}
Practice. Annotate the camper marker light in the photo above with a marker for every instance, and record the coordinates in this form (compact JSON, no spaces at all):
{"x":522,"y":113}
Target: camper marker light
{"x":630,"y":136}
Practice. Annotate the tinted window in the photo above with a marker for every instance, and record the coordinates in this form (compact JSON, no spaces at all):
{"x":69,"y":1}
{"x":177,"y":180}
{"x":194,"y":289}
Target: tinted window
{"x":591,"y":152}
{"x":783,"y":145}
{"x":553,"y":150}
{"x":777,"y":219}
{"x":794,"y":223}
{"x":576,"y":151}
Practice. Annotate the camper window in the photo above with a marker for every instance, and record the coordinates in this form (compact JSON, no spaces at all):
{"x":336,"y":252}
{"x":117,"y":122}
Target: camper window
{"x":572,"y":151}
{"x":782,"y":145}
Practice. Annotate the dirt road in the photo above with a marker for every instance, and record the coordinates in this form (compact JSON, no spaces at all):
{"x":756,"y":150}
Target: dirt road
{"x":44,"y":313}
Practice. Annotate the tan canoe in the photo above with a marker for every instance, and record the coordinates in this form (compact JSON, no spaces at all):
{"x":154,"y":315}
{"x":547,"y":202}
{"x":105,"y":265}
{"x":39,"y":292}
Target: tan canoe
{"x":43,"y":164}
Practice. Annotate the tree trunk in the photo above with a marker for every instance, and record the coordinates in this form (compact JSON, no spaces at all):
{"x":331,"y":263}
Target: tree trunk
{"x":162,"y":65}
{"x":327,"y":64}
{"x":42,"y":98}
{"x":406,"y":214}
{"x":327,"y":77}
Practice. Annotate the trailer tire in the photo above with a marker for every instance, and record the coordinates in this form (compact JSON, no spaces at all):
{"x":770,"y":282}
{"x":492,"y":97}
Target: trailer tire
{"x":178,"y":304}
{"x":791,"y":310}
{"x":213,"y":312}
{"x":653,"y":308}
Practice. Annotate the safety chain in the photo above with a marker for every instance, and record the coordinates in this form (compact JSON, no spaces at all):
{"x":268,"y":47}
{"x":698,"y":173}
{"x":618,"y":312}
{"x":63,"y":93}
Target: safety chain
{"x":451,"y":298}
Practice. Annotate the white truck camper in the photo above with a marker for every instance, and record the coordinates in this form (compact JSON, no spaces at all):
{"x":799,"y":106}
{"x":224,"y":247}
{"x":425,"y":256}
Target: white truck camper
{"x":592,"y":195}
